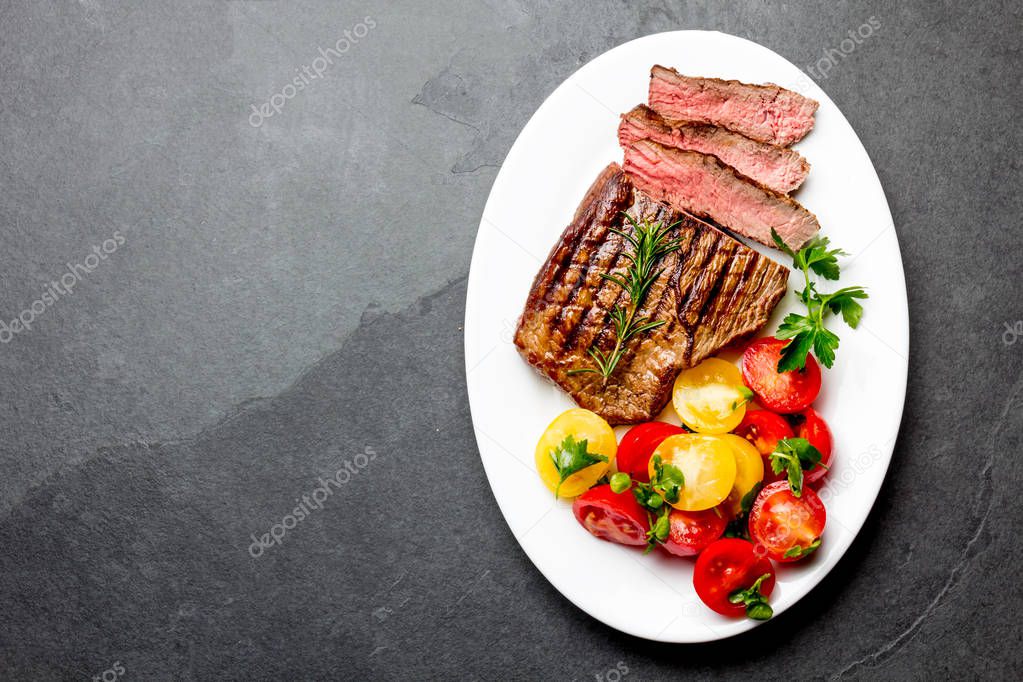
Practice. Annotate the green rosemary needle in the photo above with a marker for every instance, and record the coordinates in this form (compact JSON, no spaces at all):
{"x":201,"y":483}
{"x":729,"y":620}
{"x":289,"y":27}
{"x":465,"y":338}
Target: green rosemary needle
{"x":649,"y":243}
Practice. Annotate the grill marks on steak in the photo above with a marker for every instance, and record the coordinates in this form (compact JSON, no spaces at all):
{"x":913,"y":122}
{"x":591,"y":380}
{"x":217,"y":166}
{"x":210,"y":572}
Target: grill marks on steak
{"x":711,"y":291}
{"x":778,"y":168}
{"x":768,"y":113}
{"x":704,"y":186}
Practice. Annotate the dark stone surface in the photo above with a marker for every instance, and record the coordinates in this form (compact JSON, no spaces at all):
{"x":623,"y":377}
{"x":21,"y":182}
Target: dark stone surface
{"x":287,"y":301}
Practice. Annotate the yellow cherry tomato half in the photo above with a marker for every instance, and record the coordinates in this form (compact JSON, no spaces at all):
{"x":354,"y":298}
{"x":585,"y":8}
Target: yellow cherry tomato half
{"x":581,"y":425}
{"x":710,"y":398}
{"x":749,"y":469}
{"x":706,"y":463}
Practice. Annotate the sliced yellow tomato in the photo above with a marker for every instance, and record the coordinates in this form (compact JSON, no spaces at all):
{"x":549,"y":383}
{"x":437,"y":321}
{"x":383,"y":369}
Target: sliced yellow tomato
{"x":749,"y":469}
{"x":706,"y":462}
{"x":710,"y":398}
{"x":581,"y":425}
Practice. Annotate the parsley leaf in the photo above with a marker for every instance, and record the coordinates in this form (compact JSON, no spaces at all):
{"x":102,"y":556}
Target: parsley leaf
{"x":797,"y":552}
{"x":780,"y":243}
{"x":802,"y":332}
{"x":667,"y":480}
{"x":755,"y":602}
{"x":816,"y":256}
{"x":646,"y":497}
{"x":659,"y":529}
{"x":844,"y":301}
{"x":793,"y":456}
{"x":745,"y":395}
{"x":824,"y":345}
{"x":652,"y":500}
{"x":807,"y":332}
{"x":571,"y":456}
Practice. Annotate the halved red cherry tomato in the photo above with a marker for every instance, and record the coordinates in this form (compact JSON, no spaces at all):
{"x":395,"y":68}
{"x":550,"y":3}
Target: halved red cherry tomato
{"x":611,"y":516}
{"x":785,"y":392}
{"x":639,"y":444}
{"x":785,"y":526}
{"x":691,"y":532}
{"x":814,"y":429}
{"x":764,"y":429}
{"x":726,"y":566}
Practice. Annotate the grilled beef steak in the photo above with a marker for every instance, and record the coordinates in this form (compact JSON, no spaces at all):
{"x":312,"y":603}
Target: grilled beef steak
{"x":712,"y":291}
{"x":779,"y":168}
{"x":700,"y":184}
{"x":767,"y":113}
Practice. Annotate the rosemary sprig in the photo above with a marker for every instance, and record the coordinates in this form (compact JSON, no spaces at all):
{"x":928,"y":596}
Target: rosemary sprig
{"x":649,"y":243}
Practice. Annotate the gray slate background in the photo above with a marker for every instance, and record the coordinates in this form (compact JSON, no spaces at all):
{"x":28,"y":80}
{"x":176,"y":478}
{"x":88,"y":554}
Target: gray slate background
{"x":290,"y":295}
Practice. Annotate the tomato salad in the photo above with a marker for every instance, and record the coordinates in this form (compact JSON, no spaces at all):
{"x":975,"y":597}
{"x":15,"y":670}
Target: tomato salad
{"x":733,"y":487}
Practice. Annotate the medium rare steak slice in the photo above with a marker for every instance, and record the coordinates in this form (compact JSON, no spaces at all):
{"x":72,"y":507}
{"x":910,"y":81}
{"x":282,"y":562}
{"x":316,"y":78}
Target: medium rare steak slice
{"x":700,"y":184}
{"x":768,"y":113}
{"x":712,"y":290}
{"x":779,"y":168}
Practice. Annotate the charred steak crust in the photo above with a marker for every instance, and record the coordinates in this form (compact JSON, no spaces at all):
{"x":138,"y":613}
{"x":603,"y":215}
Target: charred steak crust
{"x":712,"y":291}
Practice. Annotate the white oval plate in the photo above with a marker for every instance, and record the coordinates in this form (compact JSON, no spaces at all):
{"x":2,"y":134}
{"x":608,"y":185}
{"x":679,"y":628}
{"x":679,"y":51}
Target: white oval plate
{"x":569,"y":139}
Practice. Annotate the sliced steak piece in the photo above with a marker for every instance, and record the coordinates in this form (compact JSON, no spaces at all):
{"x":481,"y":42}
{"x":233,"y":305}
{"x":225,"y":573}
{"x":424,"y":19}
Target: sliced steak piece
{"x":712,"y":291}
{"x":779,"y":168}
{"x":700,"y":184}
{"x":768,"y":113}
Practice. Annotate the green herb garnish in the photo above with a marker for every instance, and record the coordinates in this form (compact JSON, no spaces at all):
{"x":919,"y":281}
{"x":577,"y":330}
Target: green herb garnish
{"x":797,"y":552}
{"x":756,"y":604}
{"x":649,"y":243}
{"x":665,"y":485}
{"x":620,"y":482}
{"x":667,"y":480}
{"x":659,"y":528}
{"x":657,"y":511}
{"x":807,"y":332}
{"x":646,"y":497}
{"x":794,"y":456}
{"x":571,"y":456}
{"x":746,"y":396}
